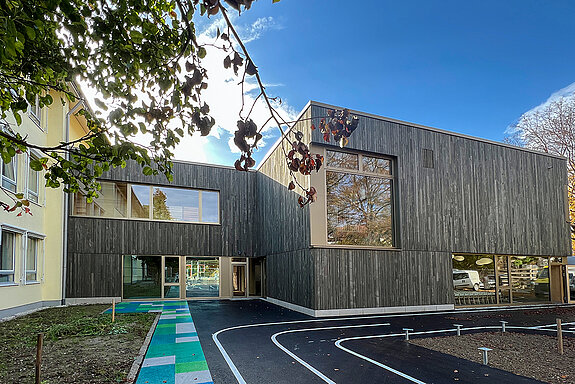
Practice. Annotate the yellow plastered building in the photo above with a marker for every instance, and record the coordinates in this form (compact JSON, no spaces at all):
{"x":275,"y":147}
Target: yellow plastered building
{"x":32,"y":246}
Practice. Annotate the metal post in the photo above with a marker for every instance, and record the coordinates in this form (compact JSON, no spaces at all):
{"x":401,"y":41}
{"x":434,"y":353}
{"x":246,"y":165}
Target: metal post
{"x":484,"y":350}
{"x":407,"y":333}
{"x":559,"y":337}
{"x":458,"y":329}
{"x":503,"y":326}
{"x":113,"y":309}
{"x":39,"y":343}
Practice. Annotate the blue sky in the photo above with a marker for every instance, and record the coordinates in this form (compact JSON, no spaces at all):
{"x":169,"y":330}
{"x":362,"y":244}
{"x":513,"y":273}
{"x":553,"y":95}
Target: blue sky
{"x":471,"y":67}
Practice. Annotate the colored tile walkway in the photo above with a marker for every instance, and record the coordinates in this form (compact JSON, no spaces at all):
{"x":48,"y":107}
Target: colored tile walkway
{"x":174,"y":355}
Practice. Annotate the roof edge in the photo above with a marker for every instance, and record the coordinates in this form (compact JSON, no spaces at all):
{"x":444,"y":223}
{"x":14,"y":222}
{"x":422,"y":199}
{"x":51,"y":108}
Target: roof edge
{"x":438,"y":130}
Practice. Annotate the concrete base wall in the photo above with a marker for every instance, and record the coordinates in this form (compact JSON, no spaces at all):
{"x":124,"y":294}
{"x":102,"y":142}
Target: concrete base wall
{"x":361,"y":311}
{"x":9,"y":313}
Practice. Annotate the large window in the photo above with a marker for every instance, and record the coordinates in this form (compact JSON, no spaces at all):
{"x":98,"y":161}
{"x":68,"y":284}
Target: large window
{"x":359,"y":199}
{"x":7,"y":257}
{"x":119,"y":199}
{"x":142,"y":277}
{"x":496,"y":279}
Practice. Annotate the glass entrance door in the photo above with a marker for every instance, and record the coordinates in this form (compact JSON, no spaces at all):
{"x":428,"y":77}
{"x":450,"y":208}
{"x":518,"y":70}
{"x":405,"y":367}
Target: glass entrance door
{"x":202,"y":277}
{"x":239,"y":279}
{"x":171,"y":277}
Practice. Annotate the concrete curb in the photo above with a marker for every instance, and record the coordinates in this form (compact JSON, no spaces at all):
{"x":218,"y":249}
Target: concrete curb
{"x":139,"y":359}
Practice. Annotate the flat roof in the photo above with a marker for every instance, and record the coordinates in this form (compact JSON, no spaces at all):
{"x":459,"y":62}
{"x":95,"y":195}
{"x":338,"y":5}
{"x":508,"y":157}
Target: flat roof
{"x":420,"y":126}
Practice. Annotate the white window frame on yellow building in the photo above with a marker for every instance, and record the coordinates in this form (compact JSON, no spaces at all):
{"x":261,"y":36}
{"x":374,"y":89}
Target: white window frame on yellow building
{"x":19,"y":254}
{"x":30,"y":194}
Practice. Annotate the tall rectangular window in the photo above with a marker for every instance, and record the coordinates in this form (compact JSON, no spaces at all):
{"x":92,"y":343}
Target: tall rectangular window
{"x":35,"y":111}
{"x":210,"y":207}
{"x":359,"y":200}
{"x":32,"y":251}
{"x":7,"y":256}
{"x":33,"y":183}
{"x":9,"y":172}
{"x":140,"y":196}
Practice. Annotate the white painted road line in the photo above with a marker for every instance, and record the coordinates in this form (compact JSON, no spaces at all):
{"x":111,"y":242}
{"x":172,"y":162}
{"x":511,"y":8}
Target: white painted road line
{"x":386,"y":367}
{"x":303,"y":362}
{"x":241,"y":380}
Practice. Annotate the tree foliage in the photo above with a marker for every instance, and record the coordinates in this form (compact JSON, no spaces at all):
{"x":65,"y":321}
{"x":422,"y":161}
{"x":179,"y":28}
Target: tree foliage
{"x":144,"y":58}
{"x":551,"y":129}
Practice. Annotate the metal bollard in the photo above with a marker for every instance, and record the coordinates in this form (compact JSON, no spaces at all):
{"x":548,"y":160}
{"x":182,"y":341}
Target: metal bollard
{"x":407,"y":333}
{"x":503,"y":326}
{"x":484,"y":350}
{"x":458,"y":328}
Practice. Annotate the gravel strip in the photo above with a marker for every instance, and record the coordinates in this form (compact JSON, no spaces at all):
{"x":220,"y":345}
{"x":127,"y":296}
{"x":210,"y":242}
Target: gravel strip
{"x":530,"y":355}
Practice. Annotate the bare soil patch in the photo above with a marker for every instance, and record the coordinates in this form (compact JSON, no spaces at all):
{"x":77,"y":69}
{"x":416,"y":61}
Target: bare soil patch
{"x":81,"y":345}
{"x":530,"y":355}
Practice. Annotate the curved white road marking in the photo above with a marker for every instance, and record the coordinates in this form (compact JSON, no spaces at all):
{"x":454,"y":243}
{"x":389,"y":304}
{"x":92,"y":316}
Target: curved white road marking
{"x":303,"y":362}
{"x":241,"y":380}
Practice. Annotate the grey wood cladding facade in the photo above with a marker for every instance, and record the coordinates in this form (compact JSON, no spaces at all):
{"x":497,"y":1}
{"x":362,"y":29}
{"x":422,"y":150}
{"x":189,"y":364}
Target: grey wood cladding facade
{"x":452,"y":194}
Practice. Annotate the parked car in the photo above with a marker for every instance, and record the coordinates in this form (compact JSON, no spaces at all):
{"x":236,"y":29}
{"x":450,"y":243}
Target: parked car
{"x":466,"y":279}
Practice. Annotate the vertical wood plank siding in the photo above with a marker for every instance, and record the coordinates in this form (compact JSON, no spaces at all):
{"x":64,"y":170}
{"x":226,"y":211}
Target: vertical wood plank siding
{"x":479,"y":197}
{"x":98,"y":244}
{"x":352,"y":278}
{"x":471,"y":197}
{"x":283,"y":229}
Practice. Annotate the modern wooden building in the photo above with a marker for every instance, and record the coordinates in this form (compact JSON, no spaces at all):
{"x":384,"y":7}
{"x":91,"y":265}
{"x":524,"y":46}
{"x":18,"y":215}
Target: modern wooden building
{"x":408,"y":218}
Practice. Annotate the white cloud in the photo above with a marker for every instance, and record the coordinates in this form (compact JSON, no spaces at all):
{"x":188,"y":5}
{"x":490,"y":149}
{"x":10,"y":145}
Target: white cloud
{"x":224,"y":94}
{"x":567,"y":92}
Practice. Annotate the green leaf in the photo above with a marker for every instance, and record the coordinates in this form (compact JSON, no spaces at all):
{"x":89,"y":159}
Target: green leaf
{"x":19,"y":195}
{"x":148,"y":171}
{"x":136,"y":36}
{"x":36,"y":165}
{"x":275,"y":1}
{"x":202,"y":52}
{"x":30,"y":32}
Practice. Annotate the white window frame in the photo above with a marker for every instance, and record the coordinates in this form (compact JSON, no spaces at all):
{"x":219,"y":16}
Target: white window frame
{"x":8,"y":180}
{"x":39,"y":243}
{"x":13,"y":270}
{"x":35,"y":112}
{"x":29,"y":192}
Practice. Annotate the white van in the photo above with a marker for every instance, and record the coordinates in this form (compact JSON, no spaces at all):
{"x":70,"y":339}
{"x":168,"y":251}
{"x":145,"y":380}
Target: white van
{"x":466,"y":279}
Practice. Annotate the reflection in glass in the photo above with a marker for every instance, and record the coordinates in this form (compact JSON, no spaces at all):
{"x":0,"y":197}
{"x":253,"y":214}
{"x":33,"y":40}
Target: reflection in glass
{"x":172,"y":270}
{"x":376,"y":165}
{"x":33,"y":184}
{"x":9,"y":175}
{"x":473,"y":279}
{"x":342,"y":160}
{"x":239,"y":280}
{"x":210,"y":207}
{"x":571,"y":274}
{"x":530,"y":279}
{"x":359,"y":210}
{"x":31,"y":259}
{"x":140,"y":206}
{"x":176,"y":204}
{"x":202,"y":277}
{"x":141,"y":277}
{"x":171,"y":291}
{"x":503,"y":280}
{"x":7,"y":257}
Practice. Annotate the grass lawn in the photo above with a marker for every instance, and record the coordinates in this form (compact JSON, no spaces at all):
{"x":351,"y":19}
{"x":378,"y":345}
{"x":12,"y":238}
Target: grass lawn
{"x":81,"y":345}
